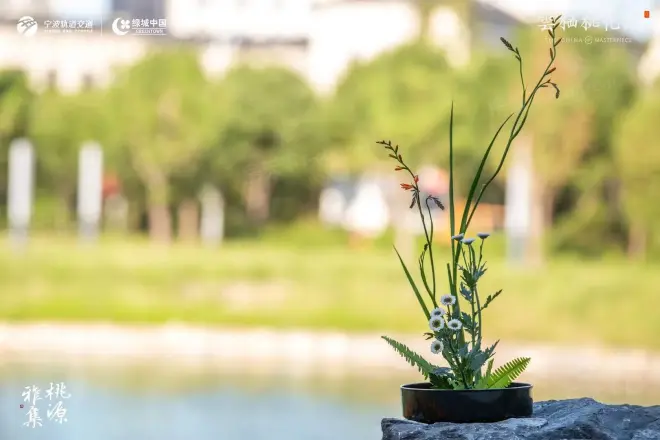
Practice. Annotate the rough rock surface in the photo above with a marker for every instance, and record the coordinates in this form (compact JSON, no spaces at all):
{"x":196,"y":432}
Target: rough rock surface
{"x":552,"y":420}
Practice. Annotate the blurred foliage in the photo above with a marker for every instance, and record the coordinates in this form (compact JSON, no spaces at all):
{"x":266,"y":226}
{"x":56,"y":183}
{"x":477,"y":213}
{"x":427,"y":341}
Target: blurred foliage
{"x":637,"y":158}
{"x":58,"y":126}
{"x":15,"y":101}
{"x":391,"y":98}
{"x":265,"y":138}
{"x":269,"y":134}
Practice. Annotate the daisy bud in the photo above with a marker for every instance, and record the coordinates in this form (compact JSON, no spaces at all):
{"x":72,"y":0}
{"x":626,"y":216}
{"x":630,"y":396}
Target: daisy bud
{"x":447,"y":300}
{"x":454,"y":324}
{"x":438,"y":312}
{"x":436,"y":347}
{"x":436,"y":323}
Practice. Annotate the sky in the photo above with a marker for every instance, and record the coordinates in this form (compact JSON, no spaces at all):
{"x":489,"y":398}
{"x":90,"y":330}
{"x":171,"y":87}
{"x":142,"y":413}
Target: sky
{"x":628,"y":13}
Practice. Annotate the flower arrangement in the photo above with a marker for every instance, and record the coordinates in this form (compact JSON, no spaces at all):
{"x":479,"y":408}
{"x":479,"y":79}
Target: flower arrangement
{"x":456,"y":334}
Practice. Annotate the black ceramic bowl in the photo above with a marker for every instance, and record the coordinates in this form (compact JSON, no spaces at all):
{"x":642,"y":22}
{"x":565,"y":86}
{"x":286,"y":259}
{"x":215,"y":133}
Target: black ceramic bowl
{"x":423,"y":404}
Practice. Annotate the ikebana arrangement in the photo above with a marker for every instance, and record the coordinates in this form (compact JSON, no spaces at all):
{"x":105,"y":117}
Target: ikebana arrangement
{"x":469,"y":390}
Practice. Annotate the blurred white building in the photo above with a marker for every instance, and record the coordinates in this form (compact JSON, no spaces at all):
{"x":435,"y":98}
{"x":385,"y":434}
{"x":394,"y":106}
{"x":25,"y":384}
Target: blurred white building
{"x":70,"y":61}
{"x":317,"y":38}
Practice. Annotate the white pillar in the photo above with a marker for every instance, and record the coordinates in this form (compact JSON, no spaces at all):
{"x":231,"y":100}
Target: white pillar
{"x":90,"y":190}
{"x":20,"y":189}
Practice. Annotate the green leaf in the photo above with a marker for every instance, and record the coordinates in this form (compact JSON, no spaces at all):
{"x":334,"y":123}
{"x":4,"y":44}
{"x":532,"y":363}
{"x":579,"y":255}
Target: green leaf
{"x":414,"y":359}
{"x":441,"y":379}
{"x":490,"y":299}
{"x":507,"y":373}
{"x":477,"y":177}
{"x":478,"y":360}
{"x":413,"y":285}
{"x":491,"y":350}
{"x":422,"y":272}
{"x":452,"y":226}
{"x":467,"y":323}
{"x":483,"y":383}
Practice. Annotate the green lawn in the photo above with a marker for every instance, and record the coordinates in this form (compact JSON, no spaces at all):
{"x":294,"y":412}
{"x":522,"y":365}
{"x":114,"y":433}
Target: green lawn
{"x":304,"y":278}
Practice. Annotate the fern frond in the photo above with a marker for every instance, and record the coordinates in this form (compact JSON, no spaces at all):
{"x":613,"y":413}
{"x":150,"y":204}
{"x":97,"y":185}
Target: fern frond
{"x":507,"y":373}
{"x":414,"y":359}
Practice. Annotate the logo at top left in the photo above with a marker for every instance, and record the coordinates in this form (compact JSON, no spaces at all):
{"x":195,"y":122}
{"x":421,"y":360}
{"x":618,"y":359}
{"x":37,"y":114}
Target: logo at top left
{"x":121,"y":26}
{"x":27,"y":26}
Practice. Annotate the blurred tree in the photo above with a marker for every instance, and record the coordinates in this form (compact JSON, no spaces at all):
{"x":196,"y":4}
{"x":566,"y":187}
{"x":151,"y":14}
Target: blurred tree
{"x":403,"y":95}
{"x":161,"y":121}
{"x":637,"y":152}
{"x":58,"y":126}
{"x":15,"y":100}
{"x":269,"y":129}
{"x":591,"y":221}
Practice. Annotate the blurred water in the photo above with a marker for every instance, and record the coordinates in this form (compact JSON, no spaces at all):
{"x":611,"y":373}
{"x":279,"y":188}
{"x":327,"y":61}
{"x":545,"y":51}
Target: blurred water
{"x":136,"y":404}
{"x":169,"y":402}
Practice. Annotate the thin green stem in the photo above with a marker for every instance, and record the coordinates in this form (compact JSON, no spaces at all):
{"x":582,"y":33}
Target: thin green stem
{"x":475,"y":292}
{"x":428,"y":209}
{"x":430,"y":248}
{"x":452,"y":224}
{"x":467,"y":265}
{"x":515,"y":130}
{"x":522,"y":78}
{"x":459,"y":362}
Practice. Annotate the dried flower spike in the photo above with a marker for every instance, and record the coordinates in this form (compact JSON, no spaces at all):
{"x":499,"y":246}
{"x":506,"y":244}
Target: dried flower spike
{"x":507,"y":44}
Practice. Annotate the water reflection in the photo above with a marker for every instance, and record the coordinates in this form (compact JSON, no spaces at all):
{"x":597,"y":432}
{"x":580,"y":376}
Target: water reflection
{"x":172,"y":402}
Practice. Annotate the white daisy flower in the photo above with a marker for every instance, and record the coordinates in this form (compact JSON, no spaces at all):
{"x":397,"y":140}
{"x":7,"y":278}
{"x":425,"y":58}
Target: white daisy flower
{"x":467,"y":241}
{"x":437,"y":347}
{"x":454,"y":324}
{"x":457,"y":237}
{"x":436,"y":323}
{"x":438,"y":312}
{"x":447,"y":300}
{"x":483,"y":235}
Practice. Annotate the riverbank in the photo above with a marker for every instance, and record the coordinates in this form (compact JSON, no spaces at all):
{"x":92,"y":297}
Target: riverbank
{"x":299,"y":352}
